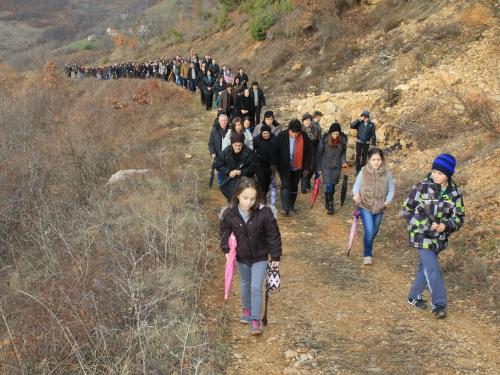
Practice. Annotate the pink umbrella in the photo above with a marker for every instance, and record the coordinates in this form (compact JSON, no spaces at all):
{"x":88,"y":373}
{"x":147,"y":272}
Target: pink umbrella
{"x":317,"y":181}
{"x":355,"y":218}
{"x":228,"y":276}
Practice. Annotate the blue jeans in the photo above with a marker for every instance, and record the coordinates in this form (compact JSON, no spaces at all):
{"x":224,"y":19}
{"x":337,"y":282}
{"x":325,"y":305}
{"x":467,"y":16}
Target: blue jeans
{"x":330,"y":188}
{"x":192,"y":86}
{"x":251,"y":287}
{"x":371,"y":224}
{"x":428,"y":274}
{"x":219,"y":177}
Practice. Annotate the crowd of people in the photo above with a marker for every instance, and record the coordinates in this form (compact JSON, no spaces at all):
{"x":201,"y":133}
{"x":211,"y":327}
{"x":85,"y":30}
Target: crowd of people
{"x":248,"y":153}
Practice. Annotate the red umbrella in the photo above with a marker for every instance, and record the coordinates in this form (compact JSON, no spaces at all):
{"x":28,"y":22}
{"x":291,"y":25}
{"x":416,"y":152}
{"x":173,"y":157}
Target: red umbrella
{"x":355,"y":218}
{"x":228,"y":276}
{"x":317,"y":181}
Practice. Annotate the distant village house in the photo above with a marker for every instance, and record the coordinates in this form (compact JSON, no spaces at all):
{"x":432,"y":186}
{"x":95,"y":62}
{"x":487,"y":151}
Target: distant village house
{"x":112,"y":32}
{"x":92,"y":38}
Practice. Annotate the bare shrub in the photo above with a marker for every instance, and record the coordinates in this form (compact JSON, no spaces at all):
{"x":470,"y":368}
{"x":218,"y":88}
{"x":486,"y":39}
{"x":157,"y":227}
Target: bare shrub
{"x":392,"y":22}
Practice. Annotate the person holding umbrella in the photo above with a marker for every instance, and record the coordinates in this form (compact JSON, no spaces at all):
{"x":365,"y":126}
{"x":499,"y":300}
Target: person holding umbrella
{"x":373,"y":192}
{"x":330,"y":160}
{"x":434,"y":209}
{"x":291,"y":157}
{"x":258,"y":239}
{"x":314,"y":138}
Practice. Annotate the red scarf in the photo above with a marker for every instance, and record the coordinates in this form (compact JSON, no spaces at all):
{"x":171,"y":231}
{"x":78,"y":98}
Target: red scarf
{"x":298,"y":156}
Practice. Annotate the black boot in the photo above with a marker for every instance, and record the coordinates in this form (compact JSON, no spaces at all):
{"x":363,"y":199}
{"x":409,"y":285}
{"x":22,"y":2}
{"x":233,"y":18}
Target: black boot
{"x":326,"y":200}
{"x":293,"y":198}
{"x":285,"y":200}
{"x":329,"y":199}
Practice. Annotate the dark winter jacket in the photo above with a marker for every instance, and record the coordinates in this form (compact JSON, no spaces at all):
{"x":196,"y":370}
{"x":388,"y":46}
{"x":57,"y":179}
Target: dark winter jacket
{"x":366,"y":131}
{"x":260,"y":96}
{"x":190,"y":73}
{"x":226,"y":162}
{"x":258,"y":239}
{"x":199,"y":79}
{"x":280,"y":153}
{"x":226,"y":101}
{"x":246,"y":103}
{"x":215,"y":141}
{"x":329,"y":161}
{"x":206,"y":82}
{"x":426,"y":205}
{"x":262,"y":148}
{"x":314,"y":137}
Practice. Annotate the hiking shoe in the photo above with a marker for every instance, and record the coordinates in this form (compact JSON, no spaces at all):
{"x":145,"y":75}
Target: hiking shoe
{"x":293,"y":210}
{"x":418,"y":303}
{"x":440,"y":312}
{"x":367,"y":261}
{"x":255,"y":328}
{"x":245,"y":318}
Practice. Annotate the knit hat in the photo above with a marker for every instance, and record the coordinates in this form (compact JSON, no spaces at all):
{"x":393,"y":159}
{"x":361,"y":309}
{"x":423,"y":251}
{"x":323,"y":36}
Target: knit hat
{"x":307,"y":115}
{"x":269,"y":114}
{"x":237,"y":138}
{"x":265,"y":128}
{"x":365,"y":113}
{"x":335,"y":127}
{"x":445,"y":163}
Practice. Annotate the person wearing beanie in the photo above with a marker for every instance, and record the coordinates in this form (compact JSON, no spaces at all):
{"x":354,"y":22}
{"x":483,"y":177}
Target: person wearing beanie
{"x":365,"y":134}
{"x":234,"y":162}
{"x":269,"y":120}
{"x":330,"y":160}
{"x":434,"y":209}
{"x":262,"y":145}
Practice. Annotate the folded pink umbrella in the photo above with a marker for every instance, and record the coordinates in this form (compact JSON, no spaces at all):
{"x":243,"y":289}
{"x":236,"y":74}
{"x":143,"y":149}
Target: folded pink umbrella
{"x":228,"y":276}
{"x":355,"y":218}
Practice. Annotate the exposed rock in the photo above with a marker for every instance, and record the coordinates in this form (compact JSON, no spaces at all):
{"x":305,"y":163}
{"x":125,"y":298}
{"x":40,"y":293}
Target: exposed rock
{"x":188,"y":156}
{"x":296,"y":66}
{"x":124,"y":173}
{"x":290,"y":354}
{"x":449,"y":77}
{"x":306,"y":73}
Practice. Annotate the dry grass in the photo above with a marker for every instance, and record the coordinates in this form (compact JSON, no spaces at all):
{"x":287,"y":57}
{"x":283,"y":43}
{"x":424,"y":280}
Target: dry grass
{"x":101,"y":279}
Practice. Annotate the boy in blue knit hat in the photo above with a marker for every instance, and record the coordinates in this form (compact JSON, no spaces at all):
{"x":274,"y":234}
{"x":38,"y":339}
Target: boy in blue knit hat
{"x":434,"y":209}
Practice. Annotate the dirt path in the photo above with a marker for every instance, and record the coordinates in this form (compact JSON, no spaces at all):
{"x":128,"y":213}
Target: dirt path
{"x":333,"y":315}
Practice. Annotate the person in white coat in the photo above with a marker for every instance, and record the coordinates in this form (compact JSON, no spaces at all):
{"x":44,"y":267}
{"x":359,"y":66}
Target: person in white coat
{"x":237,"y":127}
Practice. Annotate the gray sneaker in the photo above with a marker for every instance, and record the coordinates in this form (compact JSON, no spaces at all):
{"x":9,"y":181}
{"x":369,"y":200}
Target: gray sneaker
{"x":440,"y":312}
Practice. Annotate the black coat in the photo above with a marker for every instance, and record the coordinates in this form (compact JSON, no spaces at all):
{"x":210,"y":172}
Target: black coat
{"x":215,"y":141}
{"x":190,"y":72}
{"x":225,"y":163}
{"x":260,"y":96}
{"x":199,"y":79}
{"x":329,"y":161}
{"x":206,"y":82}
{"x":280,"y":153}
{"x":246,"y":103}
{"x":257,"y":239}
{"x":262,"y":148}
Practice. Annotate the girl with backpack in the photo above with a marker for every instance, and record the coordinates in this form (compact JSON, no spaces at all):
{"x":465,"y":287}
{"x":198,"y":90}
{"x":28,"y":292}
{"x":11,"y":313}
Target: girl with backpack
{"x":258,"y":239}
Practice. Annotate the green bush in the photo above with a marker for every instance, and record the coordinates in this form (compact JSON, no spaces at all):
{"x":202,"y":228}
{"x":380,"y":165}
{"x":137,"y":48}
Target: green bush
{"x":163,"y":37}
{"x":260,"y":23}
{"x":177,"y":35}
{"x":223,"y":20}
{"x":105,"y":61}
{"x":88,"y":47}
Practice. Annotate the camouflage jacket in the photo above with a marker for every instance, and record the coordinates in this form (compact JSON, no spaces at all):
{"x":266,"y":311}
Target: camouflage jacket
{"x":426,"y":205}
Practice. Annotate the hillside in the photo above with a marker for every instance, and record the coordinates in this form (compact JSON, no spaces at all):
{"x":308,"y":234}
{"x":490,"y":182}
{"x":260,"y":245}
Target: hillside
{"x":127,"y":278}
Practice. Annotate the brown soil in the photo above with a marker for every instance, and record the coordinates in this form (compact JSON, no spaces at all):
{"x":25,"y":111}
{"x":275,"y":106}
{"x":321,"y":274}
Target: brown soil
{"x":332,"y":315}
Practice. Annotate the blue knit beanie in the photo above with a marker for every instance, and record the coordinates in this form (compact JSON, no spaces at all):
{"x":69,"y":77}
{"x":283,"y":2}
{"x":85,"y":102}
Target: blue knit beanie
{"x":445,"y":163}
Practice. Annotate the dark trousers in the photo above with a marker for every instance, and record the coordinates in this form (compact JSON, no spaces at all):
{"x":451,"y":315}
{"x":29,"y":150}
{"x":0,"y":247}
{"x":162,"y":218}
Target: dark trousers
{"x":264,"y":178}
{"x":257,"y":115}
{"x":202,"y":96}
{"x":361,"y":154}
{"x":192,"y":86}
{"x":305,"y":182}
{"x":291,"y":182}
{"x":209,"y":96}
